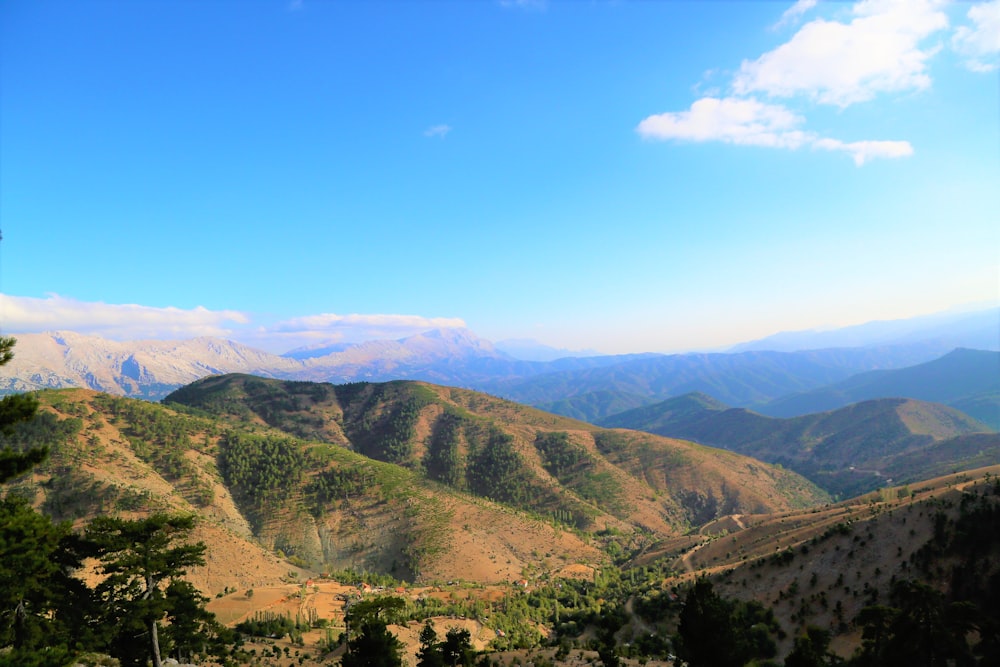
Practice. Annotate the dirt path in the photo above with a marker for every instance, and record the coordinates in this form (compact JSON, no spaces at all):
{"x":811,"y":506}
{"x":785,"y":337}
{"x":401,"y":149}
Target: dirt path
{"x":643,"y":627}
{"x":686,"y":558}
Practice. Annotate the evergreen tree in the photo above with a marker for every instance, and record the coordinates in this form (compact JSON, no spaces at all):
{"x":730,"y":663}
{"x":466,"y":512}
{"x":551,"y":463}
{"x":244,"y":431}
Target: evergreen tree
{"x":715,"y":632}
{"x":193,"y":630}
{"x":16,"y":409}
{"x":42,"y":607}
{"x":42,"y":604}
{"x":922,"y":629}
{"x":429,"y":654}
{"x":374,"y":646}
{"x":812,"y":649}
{"x":138,"y":557}
{"x":457,"y":649}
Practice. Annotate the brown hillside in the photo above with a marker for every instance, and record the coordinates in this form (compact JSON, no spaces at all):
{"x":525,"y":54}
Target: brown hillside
{"x":821,"y":566}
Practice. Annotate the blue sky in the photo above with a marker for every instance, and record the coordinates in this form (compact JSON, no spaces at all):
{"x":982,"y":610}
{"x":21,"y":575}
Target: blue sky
{"x":620,"y":176}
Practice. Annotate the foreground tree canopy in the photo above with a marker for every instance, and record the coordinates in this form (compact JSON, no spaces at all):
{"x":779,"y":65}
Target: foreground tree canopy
{"x":47,"y":615}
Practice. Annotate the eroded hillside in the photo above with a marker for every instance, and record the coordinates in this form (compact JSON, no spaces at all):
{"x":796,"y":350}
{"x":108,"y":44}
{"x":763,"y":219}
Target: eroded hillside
{"x":414,"y":480}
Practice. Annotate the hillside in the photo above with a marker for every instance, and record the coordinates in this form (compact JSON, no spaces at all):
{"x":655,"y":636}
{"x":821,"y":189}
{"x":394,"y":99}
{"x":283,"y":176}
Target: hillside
{"x":420,"y":481}
{"x":322,"y":506}
{"x":262,"y":495}
{"x":595,"y":405}
{"x":497,"y":449}
{"x":966,"y":379}
{"x":820,"y":567}
{"x":848,"y":451}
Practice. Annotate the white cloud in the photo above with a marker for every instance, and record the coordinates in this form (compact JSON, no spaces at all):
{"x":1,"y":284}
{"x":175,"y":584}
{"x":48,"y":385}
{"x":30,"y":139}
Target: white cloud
{"x":794,"y":13}
{"x":437,"y":131}
{"x":879,"y":50}
{"x":980,"y":43}
{"x":332,"y":322}
{"x":115,"y":321}
{"x":134,"y":322}
{"x":731,"y":120}
{"x":862,"y":151}
{"x":750,"y":122}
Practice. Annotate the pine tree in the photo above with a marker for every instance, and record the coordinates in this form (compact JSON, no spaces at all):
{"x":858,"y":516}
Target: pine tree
{"x":138,"y":556}
{"x":429,"y":654}
{"x":42,"y":606}
{"x":16,"y":409}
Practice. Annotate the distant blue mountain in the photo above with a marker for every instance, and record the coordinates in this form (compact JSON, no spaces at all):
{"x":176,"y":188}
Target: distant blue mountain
{"x":968,"y":380}
{"x":940,"y":332}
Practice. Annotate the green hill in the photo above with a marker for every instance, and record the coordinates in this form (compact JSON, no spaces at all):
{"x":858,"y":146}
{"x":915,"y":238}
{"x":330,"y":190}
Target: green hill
{"x":420,"y":481}
{"x":847,"y":451}
{"x":474,"y":443}
{"x":968,"y":380}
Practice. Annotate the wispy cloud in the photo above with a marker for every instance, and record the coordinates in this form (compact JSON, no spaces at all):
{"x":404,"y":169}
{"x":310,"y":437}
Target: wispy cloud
{"x":862,"y":151}
{"x":749,"y":122}
{"x":794,"y":13}
{"x":134,"y":322}
{"x":116,"y":321}
{"x":361,"y":326}
{"x":437,"y":131}
{"x":529,"y":5}
{"x":845,"y":63}
{"x":879,"y":49}
{"x":980,"y":42}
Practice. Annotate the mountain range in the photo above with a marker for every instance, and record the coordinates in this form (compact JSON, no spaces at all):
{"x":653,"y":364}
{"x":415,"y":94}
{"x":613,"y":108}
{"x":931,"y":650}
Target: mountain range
{"x":848,"y":451}
{"x":594,"y":389}
{"x":152,"y":369}
{"x":979,"y":329}
{"x":968,"y":380}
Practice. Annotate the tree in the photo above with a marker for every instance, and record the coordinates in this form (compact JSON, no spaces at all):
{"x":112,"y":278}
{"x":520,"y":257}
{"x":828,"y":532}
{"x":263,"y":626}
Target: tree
{"x":372,"y":644}
{"x":812,"y":649}
{"x":41,"y":604}
{"x":192,"y":629}
{"x":716,"y":632}
{"x":921,"y":629}
{"x":457,"y":648}
{"x":139,"y":557}
{"x":16,"y":409}
{"x":429,"y":654}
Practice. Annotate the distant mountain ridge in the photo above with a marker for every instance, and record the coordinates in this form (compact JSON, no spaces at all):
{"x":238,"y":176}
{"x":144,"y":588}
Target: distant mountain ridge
{"x":152,"y":369}
{"x":968,"y":380}
{"x":941,"y":331}
{"x":743,"y":379}
{"x":589,"y":388}
{"x":144,"y":369}
{"x":846,"y":451}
